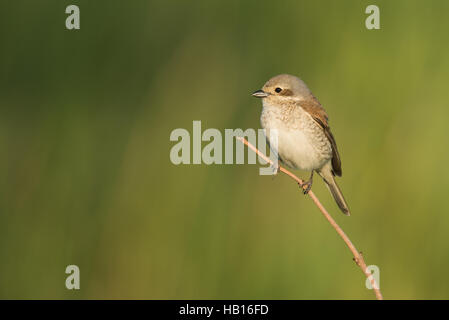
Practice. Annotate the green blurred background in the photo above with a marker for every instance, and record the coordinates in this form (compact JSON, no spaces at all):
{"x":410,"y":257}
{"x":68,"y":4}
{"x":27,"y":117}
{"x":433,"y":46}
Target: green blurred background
{"x":86,"y":178}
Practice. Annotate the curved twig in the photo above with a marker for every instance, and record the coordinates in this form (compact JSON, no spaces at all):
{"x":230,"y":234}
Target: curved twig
{"x":358,"y":258}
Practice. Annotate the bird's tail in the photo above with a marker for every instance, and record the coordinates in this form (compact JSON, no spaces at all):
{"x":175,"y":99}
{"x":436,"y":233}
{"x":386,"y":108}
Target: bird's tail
{"x":329,"y":178}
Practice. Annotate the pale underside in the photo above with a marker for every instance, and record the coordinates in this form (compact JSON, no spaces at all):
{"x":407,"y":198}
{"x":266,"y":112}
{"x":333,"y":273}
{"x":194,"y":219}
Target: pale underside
{"x":302,"y":143}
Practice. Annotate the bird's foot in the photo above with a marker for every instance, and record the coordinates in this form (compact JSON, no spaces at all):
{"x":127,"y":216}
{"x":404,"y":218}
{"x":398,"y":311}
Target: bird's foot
{"x":306,"y":186}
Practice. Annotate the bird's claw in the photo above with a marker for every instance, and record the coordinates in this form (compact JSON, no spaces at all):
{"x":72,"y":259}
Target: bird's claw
{"x":306,"y":186}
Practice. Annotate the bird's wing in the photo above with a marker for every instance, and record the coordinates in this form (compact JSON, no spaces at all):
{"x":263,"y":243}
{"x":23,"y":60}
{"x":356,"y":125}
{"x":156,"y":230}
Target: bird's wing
{"x":314,"y":108}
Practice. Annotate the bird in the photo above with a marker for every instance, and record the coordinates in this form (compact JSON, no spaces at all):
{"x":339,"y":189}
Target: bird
{"x":304,"y":138}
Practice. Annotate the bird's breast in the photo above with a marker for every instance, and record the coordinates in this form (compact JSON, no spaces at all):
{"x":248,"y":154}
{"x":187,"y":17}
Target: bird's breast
{"x":301,"y":143}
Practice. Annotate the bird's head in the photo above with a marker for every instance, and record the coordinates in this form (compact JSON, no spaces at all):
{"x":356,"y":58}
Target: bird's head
{"x":283,"y":87}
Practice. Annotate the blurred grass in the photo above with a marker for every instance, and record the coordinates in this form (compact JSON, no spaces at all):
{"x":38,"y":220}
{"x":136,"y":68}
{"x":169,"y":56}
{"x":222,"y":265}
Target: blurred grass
{"x":85,"y":119}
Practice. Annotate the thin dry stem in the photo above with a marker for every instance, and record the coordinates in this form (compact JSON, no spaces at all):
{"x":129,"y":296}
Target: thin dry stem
{"x":358,"y":258}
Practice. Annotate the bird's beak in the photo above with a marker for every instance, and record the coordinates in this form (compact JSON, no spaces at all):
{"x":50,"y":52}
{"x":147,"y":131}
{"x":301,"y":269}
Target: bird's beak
{"x":260,"y":94}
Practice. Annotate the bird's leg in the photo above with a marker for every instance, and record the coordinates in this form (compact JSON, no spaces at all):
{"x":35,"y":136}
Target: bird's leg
{"x":307,"y":185}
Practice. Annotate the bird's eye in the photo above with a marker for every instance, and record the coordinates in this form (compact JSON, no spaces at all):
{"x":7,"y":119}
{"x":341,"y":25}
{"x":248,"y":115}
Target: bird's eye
{"x":278,"y":90}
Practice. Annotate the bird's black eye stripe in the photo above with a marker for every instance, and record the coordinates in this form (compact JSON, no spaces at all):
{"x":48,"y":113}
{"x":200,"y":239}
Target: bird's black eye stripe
{"x":278,"y":90}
